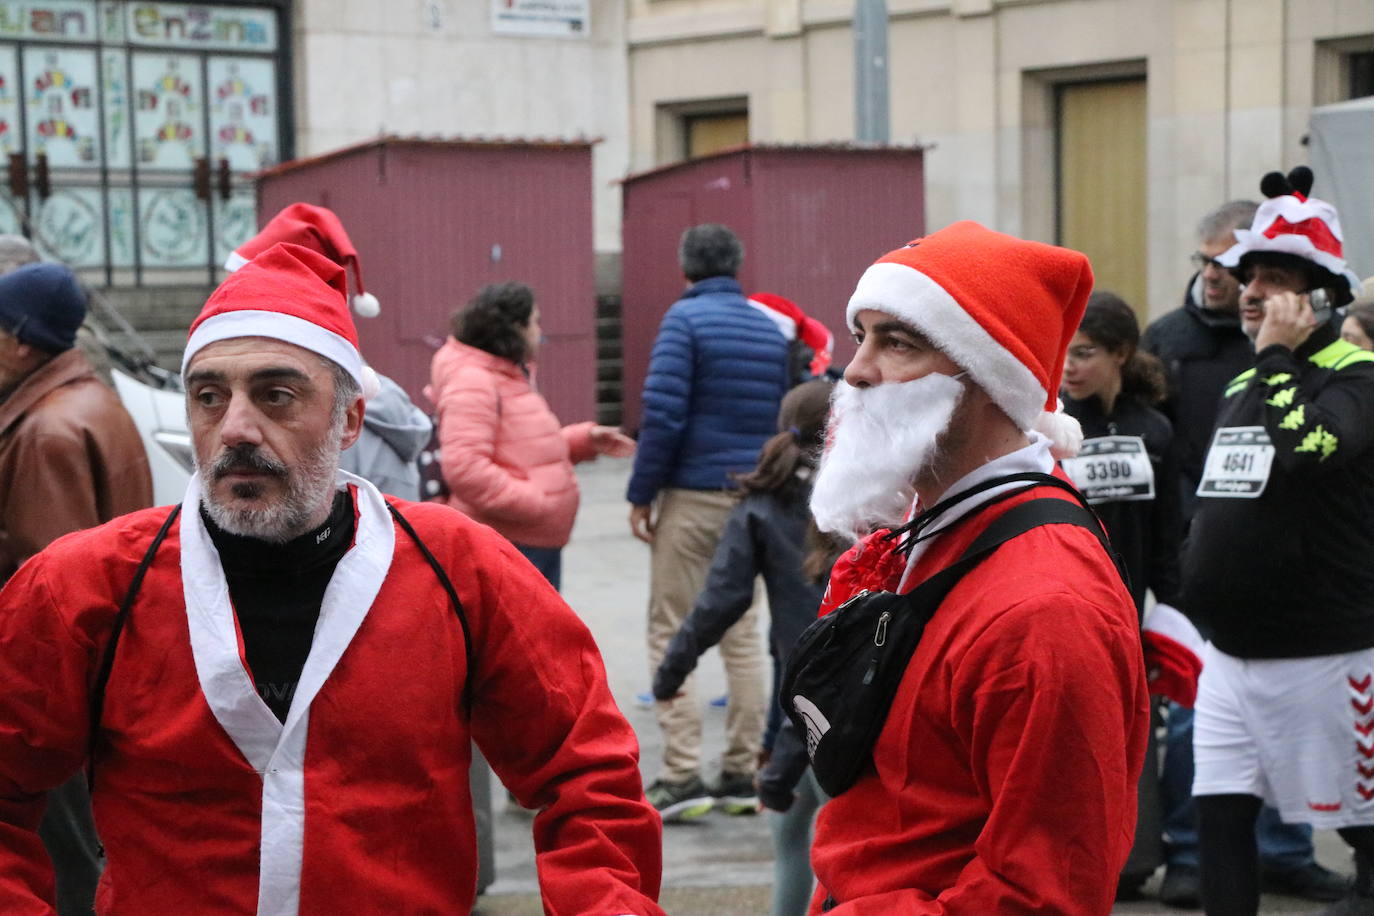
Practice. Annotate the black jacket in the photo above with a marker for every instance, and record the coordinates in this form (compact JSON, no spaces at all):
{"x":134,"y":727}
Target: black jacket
{"x":1146,"y":533}
{"x":1289,"y":574}
{"x":1201,"y":350}
{"x":764,"y":535}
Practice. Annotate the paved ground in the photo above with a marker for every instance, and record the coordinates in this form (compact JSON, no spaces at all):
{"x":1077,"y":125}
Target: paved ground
{"x":719,"y":866}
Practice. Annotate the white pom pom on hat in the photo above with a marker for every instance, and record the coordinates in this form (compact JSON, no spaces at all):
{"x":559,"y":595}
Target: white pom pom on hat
{"x":1003,"y":309}
{"x":319,"y":229}
{"x":371,"y":385}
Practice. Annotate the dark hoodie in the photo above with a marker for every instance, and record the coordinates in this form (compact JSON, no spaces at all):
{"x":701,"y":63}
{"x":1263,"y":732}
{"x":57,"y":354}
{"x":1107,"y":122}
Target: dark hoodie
{"x":1201,"y":350}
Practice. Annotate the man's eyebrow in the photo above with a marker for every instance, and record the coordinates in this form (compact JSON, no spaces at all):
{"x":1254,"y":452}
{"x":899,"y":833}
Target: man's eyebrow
{"x":270,"y":374}
{"x":900,"y":327}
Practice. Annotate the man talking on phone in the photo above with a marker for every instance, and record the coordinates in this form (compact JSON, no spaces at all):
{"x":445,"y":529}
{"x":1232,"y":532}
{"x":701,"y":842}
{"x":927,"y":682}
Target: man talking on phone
{"x":1279,"y":559}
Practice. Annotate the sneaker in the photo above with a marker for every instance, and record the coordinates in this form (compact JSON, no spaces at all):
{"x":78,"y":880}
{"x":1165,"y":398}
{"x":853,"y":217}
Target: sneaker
{"x":679,"y":801}
{"x":1310,"y":882}
{"x":736,"y":794}
{"x":1181,"y":888}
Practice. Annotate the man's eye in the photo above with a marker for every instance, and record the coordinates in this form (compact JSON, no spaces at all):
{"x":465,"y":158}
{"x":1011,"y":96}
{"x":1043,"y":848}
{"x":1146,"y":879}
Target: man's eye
{"x":278,"y":397}
{"x":208,"y":398}
{"x":897,"y":343}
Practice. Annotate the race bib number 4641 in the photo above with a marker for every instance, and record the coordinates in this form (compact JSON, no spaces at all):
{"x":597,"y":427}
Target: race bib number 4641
{"x":1112,"y":469}
{"x":1238,"y":463}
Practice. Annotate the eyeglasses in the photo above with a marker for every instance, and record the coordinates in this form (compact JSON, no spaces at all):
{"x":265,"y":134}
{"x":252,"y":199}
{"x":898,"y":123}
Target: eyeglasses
{"x":1202,"y":262}
{"x":1082,"y":354}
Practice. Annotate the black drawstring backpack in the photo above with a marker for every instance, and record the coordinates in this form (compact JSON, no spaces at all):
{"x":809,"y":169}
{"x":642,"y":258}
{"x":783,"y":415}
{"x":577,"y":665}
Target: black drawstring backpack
{"x":843,"y":673}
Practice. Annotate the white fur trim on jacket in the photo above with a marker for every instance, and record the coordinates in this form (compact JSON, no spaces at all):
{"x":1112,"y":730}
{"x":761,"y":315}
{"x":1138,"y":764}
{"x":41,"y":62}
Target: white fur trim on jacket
{"x":913,"y":297}
{"x":276,"y":750}
{"x":277,"y":326}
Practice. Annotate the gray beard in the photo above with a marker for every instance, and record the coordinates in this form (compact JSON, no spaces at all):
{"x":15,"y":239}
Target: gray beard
{"x":309,"y":489}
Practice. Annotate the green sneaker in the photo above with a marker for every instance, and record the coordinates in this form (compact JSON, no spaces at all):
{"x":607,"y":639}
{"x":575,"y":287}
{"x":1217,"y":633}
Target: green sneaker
{"x":679,"y":801}
{"x":735,"y":793}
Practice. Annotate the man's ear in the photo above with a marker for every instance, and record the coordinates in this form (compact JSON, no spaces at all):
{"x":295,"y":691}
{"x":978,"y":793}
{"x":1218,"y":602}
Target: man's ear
{"x":353,"y":422}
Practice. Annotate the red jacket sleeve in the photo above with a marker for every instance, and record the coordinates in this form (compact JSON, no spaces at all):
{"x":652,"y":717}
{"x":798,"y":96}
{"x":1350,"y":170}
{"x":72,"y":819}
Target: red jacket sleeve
{"x":545,"y":719}
{"x":43,"y":730}
{"x":1045,"y":711}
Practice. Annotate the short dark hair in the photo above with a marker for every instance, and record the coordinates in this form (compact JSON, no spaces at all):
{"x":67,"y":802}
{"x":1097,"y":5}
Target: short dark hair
{"x":709,"y":250}
{"x":494,"y":320}
{"x":1314,"y":276}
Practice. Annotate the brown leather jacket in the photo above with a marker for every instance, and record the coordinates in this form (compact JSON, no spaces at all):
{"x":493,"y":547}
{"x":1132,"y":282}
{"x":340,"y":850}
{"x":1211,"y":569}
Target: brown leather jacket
{"x":70,"y":458}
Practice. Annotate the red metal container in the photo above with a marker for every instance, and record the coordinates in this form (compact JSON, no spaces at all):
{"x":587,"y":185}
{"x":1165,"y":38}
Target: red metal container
{"x":811,"y":219}
{"x":435,"y":220}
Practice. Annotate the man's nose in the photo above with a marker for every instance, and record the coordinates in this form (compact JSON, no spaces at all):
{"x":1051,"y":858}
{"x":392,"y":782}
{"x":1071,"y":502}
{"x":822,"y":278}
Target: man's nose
{"x":862,"y":372}
{"x":241,"y":423}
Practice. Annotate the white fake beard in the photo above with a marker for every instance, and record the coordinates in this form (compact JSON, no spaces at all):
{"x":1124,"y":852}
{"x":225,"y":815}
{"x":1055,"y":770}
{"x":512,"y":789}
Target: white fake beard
{"x":309,"y":486}
{"x":881,"y":437}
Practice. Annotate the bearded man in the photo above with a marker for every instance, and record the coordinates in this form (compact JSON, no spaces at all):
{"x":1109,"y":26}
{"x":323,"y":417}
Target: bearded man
{"x":275,"y":683}
{"x":1003,"y":780}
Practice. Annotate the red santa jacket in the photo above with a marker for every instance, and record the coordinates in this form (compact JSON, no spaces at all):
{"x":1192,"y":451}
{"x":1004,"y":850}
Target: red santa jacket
{"x":1004,"y":779}
{"x":359,"y":802}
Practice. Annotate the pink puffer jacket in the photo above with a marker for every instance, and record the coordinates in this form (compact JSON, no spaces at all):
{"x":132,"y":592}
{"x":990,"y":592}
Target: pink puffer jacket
{"x":505,"y":458}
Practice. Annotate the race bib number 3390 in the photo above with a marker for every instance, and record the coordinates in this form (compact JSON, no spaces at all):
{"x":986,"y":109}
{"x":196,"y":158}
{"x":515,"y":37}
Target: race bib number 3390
{"x":1238,"y":463}
{"x":1112,"y":469}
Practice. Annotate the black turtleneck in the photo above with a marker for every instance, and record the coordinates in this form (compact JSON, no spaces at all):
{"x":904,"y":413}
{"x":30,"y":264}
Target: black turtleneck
{"x":277,"y":590}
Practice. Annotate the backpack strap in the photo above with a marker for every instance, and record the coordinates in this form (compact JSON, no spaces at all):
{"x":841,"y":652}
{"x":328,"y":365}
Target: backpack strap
{"x":102,"y":679}
{"x":452,"y":598}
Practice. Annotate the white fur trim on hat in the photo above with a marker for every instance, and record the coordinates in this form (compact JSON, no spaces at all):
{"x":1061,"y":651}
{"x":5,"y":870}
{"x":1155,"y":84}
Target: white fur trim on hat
{"x":1288,"y":243}
{"x":234,"y":261}
{"x":786,"y":326}
{"x":277,"y":326}
{"x":910,"y":296}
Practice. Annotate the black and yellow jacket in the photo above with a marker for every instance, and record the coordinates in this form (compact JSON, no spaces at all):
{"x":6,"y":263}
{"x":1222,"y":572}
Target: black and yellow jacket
{"x":1291,"y":573}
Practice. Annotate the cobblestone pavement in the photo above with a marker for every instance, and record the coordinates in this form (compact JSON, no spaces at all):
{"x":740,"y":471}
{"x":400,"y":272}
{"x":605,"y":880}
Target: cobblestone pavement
{"x":718,"y":866}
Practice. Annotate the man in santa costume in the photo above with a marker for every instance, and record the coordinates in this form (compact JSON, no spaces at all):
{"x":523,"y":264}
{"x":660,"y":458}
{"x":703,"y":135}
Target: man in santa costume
{"x":1004,"y":778}
{"x":275,"y":682}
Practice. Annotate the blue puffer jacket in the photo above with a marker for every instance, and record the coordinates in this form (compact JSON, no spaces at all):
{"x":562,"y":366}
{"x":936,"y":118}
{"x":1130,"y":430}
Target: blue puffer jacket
{"x":717,"y":373}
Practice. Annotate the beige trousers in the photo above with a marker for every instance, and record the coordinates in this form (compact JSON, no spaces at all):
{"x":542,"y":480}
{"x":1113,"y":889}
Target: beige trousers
{"x":688,"y":525}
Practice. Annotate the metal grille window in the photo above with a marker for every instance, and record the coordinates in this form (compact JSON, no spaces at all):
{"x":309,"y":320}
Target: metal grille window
{"x":131,"y":129}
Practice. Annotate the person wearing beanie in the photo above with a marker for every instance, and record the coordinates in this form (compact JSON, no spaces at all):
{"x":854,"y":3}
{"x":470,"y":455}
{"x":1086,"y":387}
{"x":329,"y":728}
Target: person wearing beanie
{"x":273,"y":685}
{"x":70,"y":458}
{"x":1276,"y":565}
{"x":1004,"y":777}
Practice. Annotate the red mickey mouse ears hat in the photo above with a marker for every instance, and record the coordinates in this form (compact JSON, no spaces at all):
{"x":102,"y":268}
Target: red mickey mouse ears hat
{"x":320,"y":230}
{"x":1291,"y":224}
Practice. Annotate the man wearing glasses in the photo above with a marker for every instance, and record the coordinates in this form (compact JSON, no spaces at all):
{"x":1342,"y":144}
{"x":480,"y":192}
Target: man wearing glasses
{"x":1203,"y":347}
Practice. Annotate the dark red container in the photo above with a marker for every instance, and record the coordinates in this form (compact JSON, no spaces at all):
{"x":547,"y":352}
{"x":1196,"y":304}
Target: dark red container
{"x":811,"y":219}
{"x":435,"y":220}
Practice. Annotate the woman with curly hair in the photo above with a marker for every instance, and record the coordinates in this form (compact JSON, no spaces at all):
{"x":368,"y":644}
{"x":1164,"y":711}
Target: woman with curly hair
{"x":506,"y":460}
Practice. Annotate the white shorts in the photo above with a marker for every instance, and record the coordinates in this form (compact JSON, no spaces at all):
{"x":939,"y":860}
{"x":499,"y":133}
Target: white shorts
{"x":1297,"y":732}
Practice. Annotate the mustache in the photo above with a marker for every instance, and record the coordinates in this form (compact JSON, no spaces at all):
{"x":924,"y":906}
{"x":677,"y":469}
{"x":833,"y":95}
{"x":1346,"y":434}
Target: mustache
{"x":245,"y":459}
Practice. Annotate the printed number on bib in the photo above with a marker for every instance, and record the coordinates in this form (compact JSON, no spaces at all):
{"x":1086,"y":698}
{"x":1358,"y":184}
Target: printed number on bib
{"x":1238,"y":463}
{"x":1112,"y":469}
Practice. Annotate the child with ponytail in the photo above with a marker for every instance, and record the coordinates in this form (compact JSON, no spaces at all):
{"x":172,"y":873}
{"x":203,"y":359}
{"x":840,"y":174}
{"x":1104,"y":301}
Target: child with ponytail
{"x":769,"y":533}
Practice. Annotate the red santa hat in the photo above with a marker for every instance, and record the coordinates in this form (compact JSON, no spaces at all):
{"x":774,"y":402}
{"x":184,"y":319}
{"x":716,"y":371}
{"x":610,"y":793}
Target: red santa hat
{"x":318,"y":229}
{"x":794,"y":324}
{"x":1002,"y":308}
{"x":288,"y":293}
{"x":1293,"y":225}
